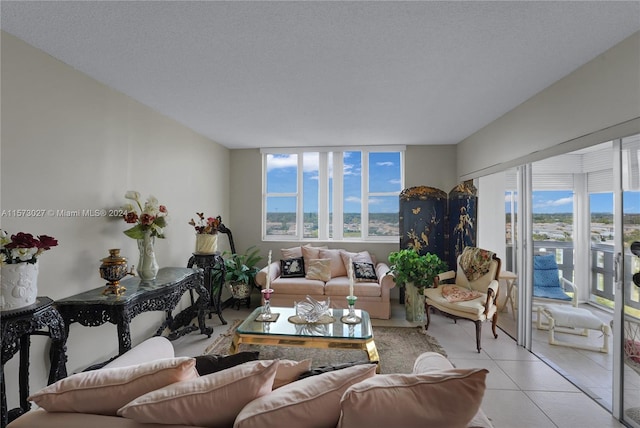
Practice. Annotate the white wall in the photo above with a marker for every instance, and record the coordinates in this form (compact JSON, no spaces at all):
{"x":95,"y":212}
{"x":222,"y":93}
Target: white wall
{"x":595,"y":103}
{"x":69,"y":142}
{"x":491,"y":216}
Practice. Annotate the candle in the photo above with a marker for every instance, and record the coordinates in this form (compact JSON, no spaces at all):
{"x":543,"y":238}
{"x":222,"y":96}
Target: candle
{"x":350,"y":277}
{"x":269,"y":271}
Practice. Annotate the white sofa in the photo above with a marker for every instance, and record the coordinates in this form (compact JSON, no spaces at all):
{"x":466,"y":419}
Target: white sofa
{"x":373,"y":295}
{"x":435,"y":394}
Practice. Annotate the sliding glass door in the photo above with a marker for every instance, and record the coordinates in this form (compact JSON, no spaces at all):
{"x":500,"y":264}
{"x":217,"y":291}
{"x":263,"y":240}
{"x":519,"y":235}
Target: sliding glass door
{"x":584,"y":207}
{"x":626,"y":321}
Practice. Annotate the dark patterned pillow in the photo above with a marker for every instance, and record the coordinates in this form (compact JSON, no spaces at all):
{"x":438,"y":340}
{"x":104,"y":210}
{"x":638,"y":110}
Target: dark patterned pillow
{"x":333,"y":367}
{"x":292,"y":268}
{"x":207,"y":364}
{"x":364,"y":272}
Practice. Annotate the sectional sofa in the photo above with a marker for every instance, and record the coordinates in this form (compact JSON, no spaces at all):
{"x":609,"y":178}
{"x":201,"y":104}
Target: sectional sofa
{"x":148,"y":387}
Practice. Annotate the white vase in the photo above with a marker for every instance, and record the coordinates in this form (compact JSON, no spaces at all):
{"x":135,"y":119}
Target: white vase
{"x":19,"y":282}
{"x":414,"y":304}
{"x":147,"y":265}
{"x":206,"y":243}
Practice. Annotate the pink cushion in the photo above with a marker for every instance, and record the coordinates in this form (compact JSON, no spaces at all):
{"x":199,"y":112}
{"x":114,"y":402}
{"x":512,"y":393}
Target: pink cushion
{"x":310,"y":402}
{"x":338,"y":268}
{"x":211,"y":400}
{"x":104,"y":391}
{"x":289,"y":371}
{"x":309,"y":253}
{"x":291,"y":253}
{"x":447,"y":398}
{"x":348,"y":257}
{"x":39,"y":418}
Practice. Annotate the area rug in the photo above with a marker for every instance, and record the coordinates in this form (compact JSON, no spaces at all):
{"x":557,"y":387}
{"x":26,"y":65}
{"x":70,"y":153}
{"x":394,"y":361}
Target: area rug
{"x":397,"y":347}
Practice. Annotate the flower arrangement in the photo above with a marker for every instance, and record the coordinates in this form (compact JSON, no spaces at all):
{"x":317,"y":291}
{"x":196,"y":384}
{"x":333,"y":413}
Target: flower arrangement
{"x":152,"y":217}
{"x":23,"y":247}
{"x":209,"y":226}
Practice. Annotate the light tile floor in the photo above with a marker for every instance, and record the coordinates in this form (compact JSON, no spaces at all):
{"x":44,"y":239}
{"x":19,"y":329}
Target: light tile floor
{"x":522,"y":391}
{"x":590,"y":371}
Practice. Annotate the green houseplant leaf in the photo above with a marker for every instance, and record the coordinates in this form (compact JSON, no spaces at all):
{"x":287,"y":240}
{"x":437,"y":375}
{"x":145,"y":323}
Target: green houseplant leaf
{"x":242,"y":267}
{"x":409,"y":266}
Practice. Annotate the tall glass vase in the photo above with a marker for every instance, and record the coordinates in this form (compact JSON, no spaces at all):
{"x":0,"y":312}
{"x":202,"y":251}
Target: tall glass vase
{"x":147,"y":265}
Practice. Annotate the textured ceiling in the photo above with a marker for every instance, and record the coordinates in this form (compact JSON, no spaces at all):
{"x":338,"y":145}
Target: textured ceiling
{"x":279,"y":74}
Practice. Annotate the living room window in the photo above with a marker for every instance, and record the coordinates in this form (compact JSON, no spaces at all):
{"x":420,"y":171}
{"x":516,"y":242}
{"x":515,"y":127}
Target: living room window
{"x":332,"y":193}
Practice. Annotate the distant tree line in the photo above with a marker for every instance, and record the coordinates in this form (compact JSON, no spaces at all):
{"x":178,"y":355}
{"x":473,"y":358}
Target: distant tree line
{"x":278,"y":217}
{"x":605,"y":218}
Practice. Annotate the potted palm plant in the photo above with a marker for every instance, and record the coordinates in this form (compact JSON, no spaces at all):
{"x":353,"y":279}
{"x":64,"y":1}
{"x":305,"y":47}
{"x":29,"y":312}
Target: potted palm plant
{"x":240,"y":272}
{"x":415,"y":272}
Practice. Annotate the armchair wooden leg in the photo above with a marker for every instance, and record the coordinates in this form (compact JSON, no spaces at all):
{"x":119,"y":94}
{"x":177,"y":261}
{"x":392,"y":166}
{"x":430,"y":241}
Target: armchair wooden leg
{"x":478,"y":334}
{"x":494,"y":323}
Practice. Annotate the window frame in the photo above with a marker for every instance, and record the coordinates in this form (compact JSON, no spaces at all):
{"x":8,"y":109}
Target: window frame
{"x":330,"y":169}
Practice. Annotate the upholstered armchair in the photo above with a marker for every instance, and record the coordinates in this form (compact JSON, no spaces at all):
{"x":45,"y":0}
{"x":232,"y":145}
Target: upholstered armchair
{"x":472,"y":296}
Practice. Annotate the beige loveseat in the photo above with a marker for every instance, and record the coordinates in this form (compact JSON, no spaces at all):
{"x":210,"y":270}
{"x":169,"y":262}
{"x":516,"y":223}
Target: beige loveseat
{"x":324,"y":276}
{"x":435,"y":394}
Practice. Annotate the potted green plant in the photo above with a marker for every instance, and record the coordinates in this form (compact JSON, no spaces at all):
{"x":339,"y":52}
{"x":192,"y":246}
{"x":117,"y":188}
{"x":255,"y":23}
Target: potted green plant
{"x":415,"y":272}
{"x":240,"y":271}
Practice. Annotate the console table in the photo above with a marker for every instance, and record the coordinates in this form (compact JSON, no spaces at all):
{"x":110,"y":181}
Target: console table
{"x":92,"y":308}
{"x":18,"y":325}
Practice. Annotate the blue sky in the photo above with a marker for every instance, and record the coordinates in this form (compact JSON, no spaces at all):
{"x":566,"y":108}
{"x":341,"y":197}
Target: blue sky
{"x":384,"y":170}
{"x":550,"y":202}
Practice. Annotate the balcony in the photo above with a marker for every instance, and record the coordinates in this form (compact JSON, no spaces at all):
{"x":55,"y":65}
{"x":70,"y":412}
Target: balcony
{"x":601,"y":287}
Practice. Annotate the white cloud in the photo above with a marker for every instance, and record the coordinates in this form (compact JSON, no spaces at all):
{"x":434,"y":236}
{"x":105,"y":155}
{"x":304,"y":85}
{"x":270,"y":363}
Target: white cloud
{"x":395,"y":181}
{"x":384,"y":163}
{"x":352,"y":199}
{"x":281,"y":161}
{"x":554,"y":202}
{"x":507,"y":198}
{"x":310,"y":164}
{"x":349,"y":170}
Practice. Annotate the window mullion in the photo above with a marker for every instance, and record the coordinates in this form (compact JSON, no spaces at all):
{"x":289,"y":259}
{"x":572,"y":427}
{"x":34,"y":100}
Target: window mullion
{"x":300,"y":198}
{"x":323,"y":197}
{"x":338,"y":195}
{"x":364,"y":203}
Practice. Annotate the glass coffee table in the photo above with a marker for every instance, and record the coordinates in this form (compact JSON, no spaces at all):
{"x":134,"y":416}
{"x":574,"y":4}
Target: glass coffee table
{"x":331,"y":335}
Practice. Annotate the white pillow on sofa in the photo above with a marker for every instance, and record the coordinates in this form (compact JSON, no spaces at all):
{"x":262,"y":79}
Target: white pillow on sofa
{"x":446,"y":398}
{"x":104,"y":391}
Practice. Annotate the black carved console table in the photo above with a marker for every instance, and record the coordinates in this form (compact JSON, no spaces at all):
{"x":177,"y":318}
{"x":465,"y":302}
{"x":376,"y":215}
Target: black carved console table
{"x":92,"y":308}
{"x":211,"y":263}
{"x":18,"y":325}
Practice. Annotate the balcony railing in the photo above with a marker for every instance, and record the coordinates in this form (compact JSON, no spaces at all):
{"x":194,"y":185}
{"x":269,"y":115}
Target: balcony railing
{"x":602,"y":282}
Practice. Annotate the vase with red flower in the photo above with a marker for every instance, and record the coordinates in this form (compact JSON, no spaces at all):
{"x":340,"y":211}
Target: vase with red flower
{"x":150,"y":221}
{"x":19,"y":268}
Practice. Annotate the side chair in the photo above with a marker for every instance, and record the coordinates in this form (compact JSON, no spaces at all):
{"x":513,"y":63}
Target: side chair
{"x":473,"y":294}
